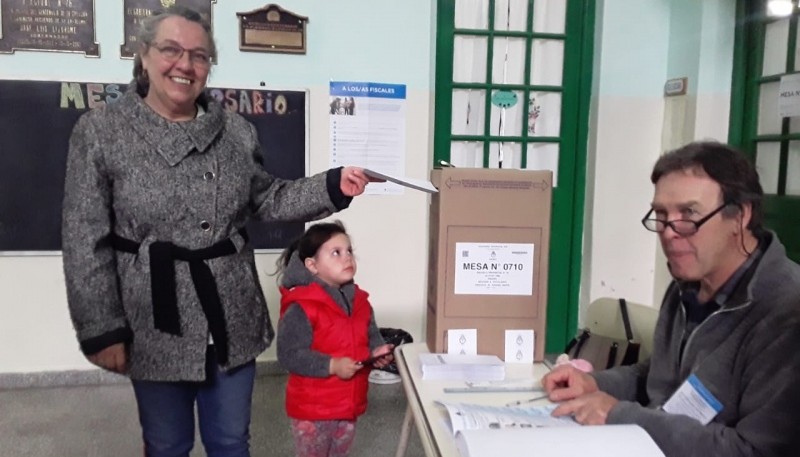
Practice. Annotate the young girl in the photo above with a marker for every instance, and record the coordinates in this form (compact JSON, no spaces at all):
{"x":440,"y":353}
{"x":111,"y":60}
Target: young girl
{"x":327,"y":339}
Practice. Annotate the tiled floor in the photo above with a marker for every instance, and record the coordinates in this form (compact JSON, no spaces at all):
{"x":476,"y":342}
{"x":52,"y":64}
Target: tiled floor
{"x":101,"y":421}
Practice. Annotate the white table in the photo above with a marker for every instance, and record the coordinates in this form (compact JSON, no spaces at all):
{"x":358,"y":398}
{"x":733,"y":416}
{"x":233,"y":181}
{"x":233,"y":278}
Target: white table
{"x":431,"y":419}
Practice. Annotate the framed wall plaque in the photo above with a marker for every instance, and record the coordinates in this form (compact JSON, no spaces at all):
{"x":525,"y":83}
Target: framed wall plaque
{"x":48,"y":25}
{"x":272,"y":29}
{"x":136,"y":10}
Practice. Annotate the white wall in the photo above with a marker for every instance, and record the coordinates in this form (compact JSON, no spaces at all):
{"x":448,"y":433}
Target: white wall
{"x":639,"y":45}
{"x":357,"y":40}
{"x":701,"y":48}
{"x":625,"y":132}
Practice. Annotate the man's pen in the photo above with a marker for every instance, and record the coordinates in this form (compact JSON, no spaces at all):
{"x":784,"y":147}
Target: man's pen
{"x":527,"y":400}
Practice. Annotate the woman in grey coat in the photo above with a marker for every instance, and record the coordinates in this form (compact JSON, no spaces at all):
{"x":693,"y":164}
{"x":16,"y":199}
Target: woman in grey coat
{"x":161,"y":279}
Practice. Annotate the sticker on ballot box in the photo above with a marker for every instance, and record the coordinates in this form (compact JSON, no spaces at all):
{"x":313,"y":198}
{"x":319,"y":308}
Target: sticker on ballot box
{"x":693,"y":399}
{"x":494,"y":268}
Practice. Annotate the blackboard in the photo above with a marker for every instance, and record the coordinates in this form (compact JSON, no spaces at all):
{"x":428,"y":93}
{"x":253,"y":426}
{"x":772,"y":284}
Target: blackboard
{"x":36,"y":119}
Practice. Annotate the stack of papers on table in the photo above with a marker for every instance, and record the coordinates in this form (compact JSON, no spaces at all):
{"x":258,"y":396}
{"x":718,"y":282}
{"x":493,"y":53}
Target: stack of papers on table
{"x":462,"y":367}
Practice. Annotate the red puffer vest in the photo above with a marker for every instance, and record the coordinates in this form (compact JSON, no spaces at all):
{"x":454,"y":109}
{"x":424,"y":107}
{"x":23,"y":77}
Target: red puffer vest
{"x":336,"y":334}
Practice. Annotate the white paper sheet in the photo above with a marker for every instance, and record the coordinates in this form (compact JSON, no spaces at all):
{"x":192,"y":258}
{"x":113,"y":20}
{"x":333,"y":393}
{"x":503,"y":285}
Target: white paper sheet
{"x":417,"y":184}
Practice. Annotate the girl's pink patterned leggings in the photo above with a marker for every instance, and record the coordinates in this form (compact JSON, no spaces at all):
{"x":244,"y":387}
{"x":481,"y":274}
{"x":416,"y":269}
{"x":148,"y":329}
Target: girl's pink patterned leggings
{"x":330,"y":438}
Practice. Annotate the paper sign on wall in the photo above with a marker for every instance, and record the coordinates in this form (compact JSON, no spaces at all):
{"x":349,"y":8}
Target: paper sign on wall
{"x":789,"y":96}
{"x":368,"y":129}
{"x":494,"y":268}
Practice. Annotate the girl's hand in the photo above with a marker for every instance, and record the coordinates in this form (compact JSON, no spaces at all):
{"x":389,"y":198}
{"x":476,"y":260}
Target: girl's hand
{"x":384,"y":354}
{"x":344,"y":367}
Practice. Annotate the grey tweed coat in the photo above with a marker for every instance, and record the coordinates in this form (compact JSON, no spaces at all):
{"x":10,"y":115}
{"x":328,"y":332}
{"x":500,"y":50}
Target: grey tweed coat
{"x":193,"y":183}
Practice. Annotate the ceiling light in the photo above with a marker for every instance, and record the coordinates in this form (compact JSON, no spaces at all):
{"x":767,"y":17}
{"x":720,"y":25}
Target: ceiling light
{"x":780,"y":7}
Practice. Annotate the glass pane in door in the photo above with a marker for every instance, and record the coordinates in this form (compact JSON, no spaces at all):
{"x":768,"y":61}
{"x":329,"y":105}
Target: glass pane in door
{"x":510,"y":15}
{"x":469,"y":59}
{"x":775,"y":47}
{"x":472,"y":14}
{"x":549,"y":16}
{"x":544,"y":114}
{"x":769,"y":121}
{"x":547,"y":62}
{"x":468,"y":111}
{"x":768,"y":159}
{"x":793,"y":169}
{"x":508,"y":66}
{"x":544,"y":156}
{"x":508,"y":153}
{"x":466,"y":154}
{"x":794,"y":124}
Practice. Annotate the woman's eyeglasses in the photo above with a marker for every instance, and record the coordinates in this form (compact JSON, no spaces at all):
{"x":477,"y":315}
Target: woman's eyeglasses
{"x":173,"y":52}
{"x":683,"y":227}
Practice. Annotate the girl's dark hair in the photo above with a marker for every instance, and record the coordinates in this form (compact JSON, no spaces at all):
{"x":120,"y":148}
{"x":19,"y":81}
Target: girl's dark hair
{"x":730,"y":168}
{"x":309,"y":242}
{"x":147,"y":34}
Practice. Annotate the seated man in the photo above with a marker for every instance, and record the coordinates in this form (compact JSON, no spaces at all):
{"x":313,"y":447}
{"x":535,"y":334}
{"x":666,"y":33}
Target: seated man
{"x":724,"y":376}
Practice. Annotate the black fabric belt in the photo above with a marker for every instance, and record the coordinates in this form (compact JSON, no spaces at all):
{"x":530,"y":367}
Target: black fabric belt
{"x":163,"y":255}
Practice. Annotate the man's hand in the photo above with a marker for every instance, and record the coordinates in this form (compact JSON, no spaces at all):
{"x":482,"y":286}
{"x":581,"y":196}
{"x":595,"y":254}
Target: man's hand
{"x":112,"y":358}
{"x":566,"y":382}
{"x":343,"y":367}
{"x":591,"y":409}
{"x":353,"y":181}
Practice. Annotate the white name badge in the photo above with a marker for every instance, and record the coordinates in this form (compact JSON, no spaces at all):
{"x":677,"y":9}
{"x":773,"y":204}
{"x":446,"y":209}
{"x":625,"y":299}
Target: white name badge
{"x":694,"y":400}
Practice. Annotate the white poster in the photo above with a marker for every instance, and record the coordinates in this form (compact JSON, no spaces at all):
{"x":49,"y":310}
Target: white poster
{"x":789,"y":96}
{"x":494,"y":268}
{"x":368,"y":130}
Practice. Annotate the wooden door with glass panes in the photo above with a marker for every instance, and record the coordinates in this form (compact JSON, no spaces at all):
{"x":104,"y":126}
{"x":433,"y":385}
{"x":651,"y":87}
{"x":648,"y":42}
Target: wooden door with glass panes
{"x":767,"y":51}
{"x":512,"y":91}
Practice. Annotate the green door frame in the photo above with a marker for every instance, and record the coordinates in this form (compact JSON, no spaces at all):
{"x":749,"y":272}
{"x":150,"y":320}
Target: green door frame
{"x":781,"y":211}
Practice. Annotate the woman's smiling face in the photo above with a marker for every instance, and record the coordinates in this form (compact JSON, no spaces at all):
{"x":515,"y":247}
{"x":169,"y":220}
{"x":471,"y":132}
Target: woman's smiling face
{"x":175,"y":66}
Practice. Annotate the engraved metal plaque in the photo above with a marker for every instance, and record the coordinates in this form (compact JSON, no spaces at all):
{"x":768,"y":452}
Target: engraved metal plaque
{"x":136,"y":10}
{"x":48,"y":25}
{"x":272,"y":29}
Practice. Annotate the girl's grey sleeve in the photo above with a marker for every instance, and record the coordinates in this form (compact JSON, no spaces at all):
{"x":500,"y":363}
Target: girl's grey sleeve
{"x":375,"y":337}
{"x":294,"y":345}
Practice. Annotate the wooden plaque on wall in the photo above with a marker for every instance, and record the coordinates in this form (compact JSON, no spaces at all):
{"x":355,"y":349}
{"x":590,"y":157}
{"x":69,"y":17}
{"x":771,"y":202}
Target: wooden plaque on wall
{"x":272,"y":29}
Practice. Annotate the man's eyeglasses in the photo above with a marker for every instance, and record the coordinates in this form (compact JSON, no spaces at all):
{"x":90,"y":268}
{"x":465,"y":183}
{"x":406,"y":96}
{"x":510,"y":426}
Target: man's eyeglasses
{"x":173,"y":52}
{"x":683,"y":227}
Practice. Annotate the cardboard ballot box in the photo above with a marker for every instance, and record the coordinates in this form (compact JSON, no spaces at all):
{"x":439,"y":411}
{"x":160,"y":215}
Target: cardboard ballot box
{"x":488,"y":259}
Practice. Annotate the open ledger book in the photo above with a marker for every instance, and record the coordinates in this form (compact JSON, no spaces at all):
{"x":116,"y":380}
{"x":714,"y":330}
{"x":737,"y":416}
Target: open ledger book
{"x":493,"y":431}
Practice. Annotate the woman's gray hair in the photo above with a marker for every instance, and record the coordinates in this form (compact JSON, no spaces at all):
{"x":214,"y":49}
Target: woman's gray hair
{"x":147,"y":34}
